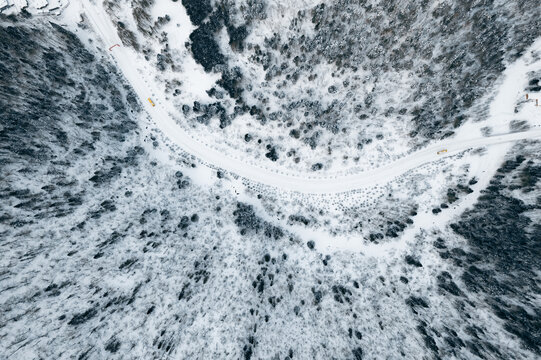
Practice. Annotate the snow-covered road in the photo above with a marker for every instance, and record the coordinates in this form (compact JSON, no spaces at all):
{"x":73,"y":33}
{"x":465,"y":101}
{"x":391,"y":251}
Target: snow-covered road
{"x":129,"y":66}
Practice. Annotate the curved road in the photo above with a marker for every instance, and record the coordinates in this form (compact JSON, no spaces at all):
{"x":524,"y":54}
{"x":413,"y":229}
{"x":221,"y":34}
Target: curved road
{"x":285,"y":181}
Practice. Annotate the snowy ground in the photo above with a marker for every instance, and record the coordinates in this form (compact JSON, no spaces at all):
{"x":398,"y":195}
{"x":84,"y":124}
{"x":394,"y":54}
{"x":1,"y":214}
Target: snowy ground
{"x":383,"y":138}
{"x":367,"y":187}
{"x":128,"y":232}
{"x":468,"y":136}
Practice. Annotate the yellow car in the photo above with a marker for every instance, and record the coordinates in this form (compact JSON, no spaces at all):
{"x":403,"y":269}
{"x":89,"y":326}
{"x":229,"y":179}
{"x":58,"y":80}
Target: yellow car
{"x":442,"y":151}
{"x":151,"y":102}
